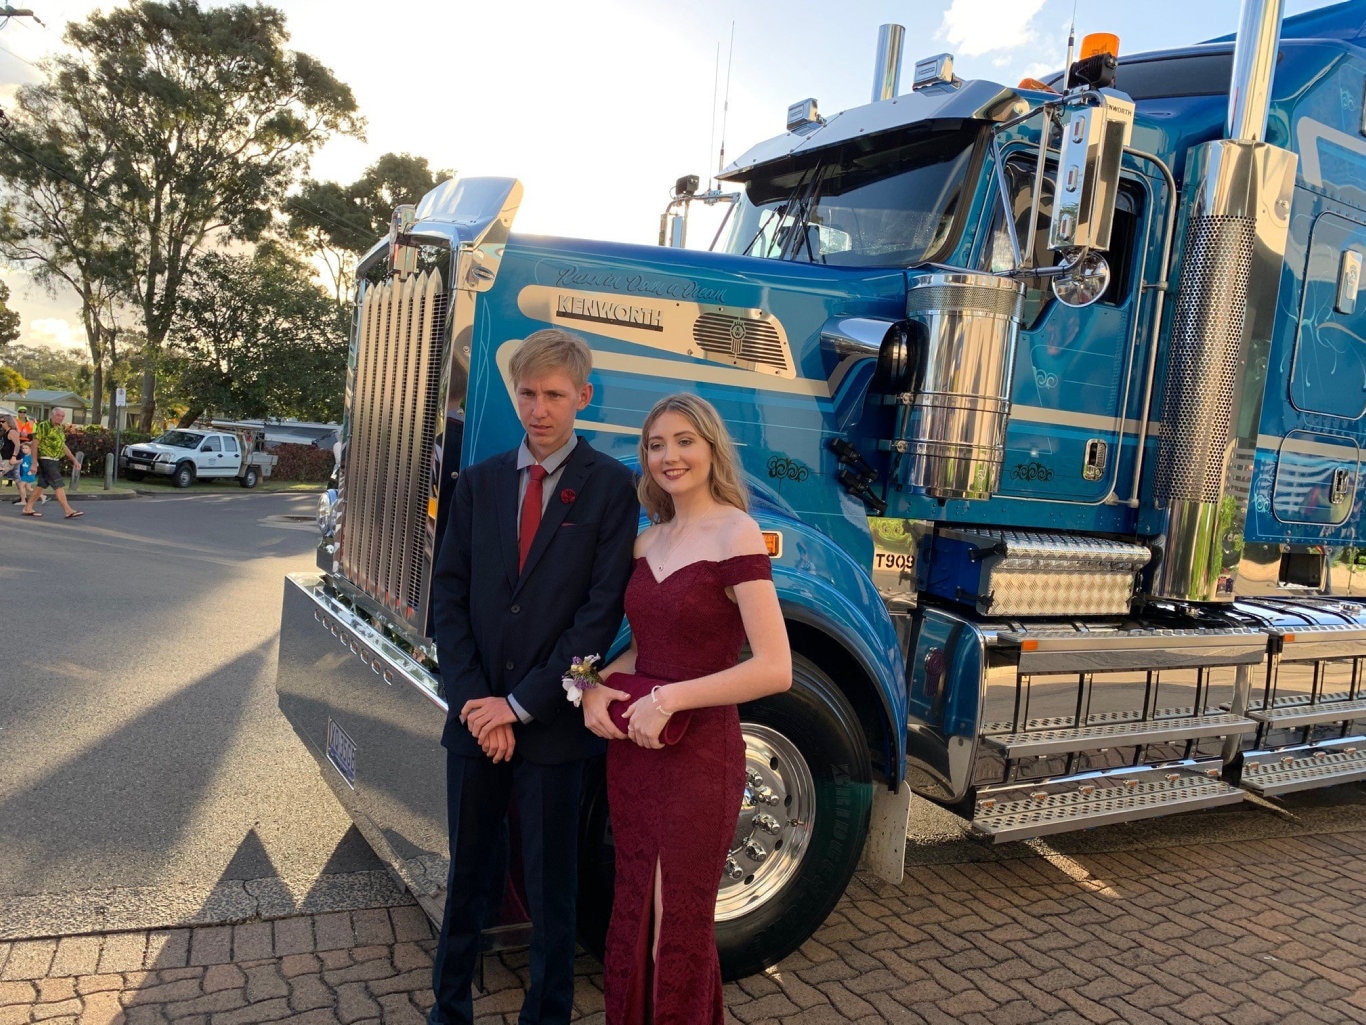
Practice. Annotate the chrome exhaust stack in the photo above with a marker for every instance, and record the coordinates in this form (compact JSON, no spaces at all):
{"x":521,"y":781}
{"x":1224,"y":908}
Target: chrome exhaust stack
{"x":1236,"y":227}
{"x":887,"y":68}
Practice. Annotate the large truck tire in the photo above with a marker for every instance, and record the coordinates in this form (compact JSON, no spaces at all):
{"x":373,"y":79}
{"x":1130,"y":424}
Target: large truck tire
{"x":184,"y":475}
{"x":807,"y":803}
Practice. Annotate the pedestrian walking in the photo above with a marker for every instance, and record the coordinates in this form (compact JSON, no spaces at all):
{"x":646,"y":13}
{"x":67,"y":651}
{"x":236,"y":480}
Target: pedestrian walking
{"x":49,"y":440}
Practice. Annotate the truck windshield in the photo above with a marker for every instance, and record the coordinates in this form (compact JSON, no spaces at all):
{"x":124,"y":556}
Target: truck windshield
{"x":884,"y":202}
{"x":181,"y":439}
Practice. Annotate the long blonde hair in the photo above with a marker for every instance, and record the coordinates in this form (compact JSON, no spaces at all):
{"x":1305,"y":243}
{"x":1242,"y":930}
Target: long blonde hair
{"x":725,"y":464}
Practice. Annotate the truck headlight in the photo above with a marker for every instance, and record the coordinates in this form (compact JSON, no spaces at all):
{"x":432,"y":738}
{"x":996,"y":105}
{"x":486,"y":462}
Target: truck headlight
{"x":329,"y":512}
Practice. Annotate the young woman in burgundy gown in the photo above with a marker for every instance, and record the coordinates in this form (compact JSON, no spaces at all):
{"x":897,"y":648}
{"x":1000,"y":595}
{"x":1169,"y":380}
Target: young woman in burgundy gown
{"x":702,"y":586}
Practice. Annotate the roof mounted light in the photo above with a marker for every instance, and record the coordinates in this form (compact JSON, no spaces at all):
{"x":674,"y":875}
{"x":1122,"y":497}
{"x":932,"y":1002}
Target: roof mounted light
{"x":1098,"y":62}
{"x":803,"y":117}
{"x":936,"y":70}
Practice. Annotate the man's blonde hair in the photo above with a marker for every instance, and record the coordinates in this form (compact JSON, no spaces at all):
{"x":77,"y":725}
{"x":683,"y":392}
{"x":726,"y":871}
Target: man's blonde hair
{"x":548,"y":350}
{"x":725,"y":483}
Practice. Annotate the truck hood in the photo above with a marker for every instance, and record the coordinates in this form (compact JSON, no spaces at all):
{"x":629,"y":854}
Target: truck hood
{"x":152,"y":449}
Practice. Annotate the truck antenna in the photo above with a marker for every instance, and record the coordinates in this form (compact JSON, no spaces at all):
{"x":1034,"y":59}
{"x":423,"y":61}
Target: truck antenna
{"x":725,"y":105}
{"x":1071,"y":49}
{"x":715,"y":88}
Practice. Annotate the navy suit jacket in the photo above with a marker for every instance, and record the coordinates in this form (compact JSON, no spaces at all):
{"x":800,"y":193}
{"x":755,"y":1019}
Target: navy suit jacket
{"x":500,"y":632}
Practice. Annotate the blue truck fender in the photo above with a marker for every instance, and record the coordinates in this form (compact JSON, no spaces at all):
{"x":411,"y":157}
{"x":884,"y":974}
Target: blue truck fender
{"x":831,"y":598}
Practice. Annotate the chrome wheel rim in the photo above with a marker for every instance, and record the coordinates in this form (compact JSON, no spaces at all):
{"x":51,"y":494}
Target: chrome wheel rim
{"x":773,"y":831}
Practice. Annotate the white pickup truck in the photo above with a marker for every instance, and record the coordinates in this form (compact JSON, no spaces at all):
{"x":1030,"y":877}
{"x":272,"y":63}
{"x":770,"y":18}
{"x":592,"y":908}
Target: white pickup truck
{"x":186,"y":455}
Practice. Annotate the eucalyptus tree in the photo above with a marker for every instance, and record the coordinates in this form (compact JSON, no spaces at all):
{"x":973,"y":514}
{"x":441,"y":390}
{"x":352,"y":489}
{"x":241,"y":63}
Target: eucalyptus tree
{"x":257,"y":337}
{"x":207,"y":120}
{"x":9,"y":319}
{"x":54,"y":211}
{"x":339,"y":222}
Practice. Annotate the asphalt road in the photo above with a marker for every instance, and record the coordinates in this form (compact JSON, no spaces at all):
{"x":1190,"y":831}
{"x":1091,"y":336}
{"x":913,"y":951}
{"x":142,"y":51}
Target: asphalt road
{"x":146,"y":775}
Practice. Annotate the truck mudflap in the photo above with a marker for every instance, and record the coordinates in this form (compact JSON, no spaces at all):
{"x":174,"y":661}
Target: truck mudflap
{"x":369,"y":714}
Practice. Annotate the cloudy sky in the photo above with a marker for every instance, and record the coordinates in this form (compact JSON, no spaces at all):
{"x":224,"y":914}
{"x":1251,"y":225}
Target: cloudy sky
{"x":598,"y":105}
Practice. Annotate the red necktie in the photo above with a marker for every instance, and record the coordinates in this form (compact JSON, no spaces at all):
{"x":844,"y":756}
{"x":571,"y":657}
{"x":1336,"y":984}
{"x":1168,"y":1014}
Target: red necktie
{"x":531,"y":512}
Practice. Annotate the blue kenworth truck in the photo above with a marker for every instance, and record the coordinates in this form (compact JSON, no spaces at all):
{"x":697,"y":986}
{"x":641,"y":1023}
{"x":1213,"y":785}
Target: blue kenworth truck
{"x":1050,"y":401}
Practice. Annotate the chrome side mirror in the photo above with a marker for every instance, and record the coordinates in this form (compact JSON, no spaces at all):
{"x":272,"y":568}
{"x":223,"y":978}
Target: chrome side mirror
{"x":1083,"y":280}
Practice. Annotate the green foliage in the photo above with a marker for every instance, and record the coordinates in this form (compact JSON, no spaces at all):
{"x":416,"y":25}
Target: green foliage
{"x":340,"y":222}
{"x":98,"y":442}
{"x":57,"y":369}
{"x":258,"y":338}
{"x":12,"y":381}
{"x":351,"y":217}
{"x":9,"y":319}
{"x":192,"y":123}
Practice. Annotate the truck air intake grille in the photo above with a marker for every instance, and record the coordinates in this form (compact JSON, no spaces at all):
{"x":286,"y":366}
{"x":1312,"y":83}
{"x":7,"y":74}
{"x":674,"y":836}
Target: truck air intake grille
{"x":1206,"y":337}
{"x":751,"y":343}
{"x":385,"y":542}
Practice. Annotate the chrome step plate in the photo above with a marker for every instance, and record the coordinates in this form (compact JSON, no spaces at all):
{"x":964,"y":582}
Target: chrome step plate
{"x":1118,"y":734}
{"x":1307,"y":714}
{"x":1269,"y":773}
{"x":1021,"y":812}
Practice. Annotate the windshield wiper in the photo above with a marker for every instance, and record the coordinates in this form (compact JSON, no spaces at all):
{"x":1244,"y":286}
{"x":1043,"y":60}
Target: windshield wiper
{"x":795,"y":202}
{"x":804,"y":198}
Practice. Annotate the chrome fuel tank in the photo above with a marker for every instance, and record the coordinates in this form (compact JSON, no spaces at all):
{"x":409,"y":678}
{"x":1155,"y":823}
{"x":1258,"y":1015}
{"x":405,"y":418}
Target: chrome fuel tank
{"x":955,"y":424}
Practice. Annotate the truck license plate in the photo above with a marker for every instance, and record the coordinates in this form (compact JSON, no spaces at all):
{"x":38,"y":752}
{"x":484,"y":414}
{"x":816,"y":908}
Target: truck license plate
{"x":341,"y":752}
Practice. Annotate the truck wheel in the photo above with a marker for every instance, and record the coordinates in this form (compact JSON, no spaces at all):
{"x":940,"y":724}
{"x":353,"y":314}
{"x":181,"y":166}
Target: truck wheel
{"x":808,"y":775}
{"x":250,"y":477}
{"x":183,"y":476}
{"x":802,"y":823}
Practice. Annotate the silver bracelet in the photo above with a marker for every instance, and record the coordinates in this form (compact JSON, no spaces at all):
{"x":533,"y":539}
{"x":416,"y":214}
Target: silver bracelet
{"x":654,"y":699}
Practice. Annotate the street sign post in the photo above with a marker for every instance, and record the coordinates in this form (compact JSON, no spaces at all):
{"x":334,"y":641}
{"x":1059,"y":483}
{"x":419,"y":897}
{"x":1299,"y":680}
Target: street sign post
{"x":120,"y":401}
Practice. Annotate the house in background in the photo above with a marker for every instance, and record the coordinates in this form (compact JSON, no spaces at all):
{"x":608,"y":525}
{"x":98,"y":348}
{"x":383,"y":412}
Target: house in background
{"x":42,"y":401}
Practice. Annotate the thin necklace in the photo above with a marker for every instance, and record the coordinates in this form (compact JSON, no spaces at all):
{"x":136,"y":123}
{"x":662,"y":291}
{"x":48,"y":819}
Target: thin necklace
{"x":664,"y":558}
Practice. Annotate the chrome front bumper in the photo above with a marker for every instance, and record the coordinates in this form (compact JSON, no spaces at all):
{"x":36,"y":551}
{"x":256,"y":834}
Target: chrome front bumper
{"x":371,"y":717}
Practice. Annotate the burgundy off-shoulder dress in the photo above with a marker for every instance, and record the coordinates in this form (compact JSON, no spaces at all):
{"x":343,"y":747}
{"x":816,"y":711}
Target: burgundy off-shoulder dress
{"x":677,"y":806}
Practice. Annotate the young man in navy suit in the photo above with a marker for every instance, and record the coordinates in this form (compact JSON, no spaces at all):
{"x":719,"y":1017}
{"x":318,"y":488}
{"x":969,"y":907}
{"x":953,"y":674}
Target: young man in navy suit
{"x":532,"y":570}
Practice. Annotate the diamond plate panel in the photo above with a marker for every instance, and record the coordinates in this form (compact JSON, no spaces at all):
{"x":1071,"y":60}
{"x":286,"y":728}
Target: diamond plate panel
{"x":1028,"y":574}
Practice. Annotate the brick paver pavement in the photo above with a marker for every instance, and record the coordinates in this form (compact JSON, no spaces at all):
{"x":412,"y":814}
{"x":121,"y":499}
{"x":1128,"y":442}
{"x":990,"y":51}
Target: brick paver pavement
{"x":1223,"y":933}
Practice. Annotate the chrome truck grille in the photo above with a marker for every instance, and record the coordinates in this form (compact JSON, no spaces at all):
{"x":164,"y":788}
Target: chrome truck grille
{"x":386,"y":537}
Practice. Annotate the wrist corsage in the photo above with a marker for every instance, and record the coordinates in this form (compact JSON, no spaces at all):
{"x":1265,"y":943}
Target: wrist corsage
{"x":581,"y":676}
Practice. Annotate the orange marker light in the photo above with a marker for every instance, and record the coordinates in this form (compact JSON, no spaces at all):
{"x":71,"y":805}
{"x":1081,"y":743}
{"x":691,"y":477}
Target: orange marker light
{"x":1100,"y":42}
{"x":1029,"y":645}
{"x":773,"y":541}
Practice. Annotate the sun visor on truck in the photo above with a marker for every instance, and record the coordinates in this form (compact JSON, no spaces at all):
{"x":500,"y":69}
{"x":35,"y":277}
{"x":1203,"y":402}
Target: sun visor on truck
{"x":973,"y":101}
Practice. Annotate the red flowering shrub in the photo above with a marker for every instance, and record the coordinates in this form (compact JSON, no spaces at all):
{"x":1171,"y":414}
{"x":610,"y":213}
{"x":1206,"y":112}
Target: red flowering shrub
{"x":96,"y":443}
{"x":301,"y":463}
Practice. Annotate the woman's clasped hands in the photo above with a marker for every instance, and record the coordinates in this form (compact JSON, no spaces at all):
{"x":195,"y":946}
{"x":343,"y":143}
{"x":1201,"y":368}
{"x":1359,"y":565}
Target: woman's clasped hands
{"x":645,"y":719}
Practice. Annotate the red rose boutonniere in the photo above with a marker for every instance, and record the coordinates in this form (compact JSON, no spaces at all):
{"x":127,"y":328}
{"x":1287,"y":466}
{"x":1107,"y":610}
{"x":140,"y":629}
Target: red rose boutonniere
{"x":567,"y":496}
